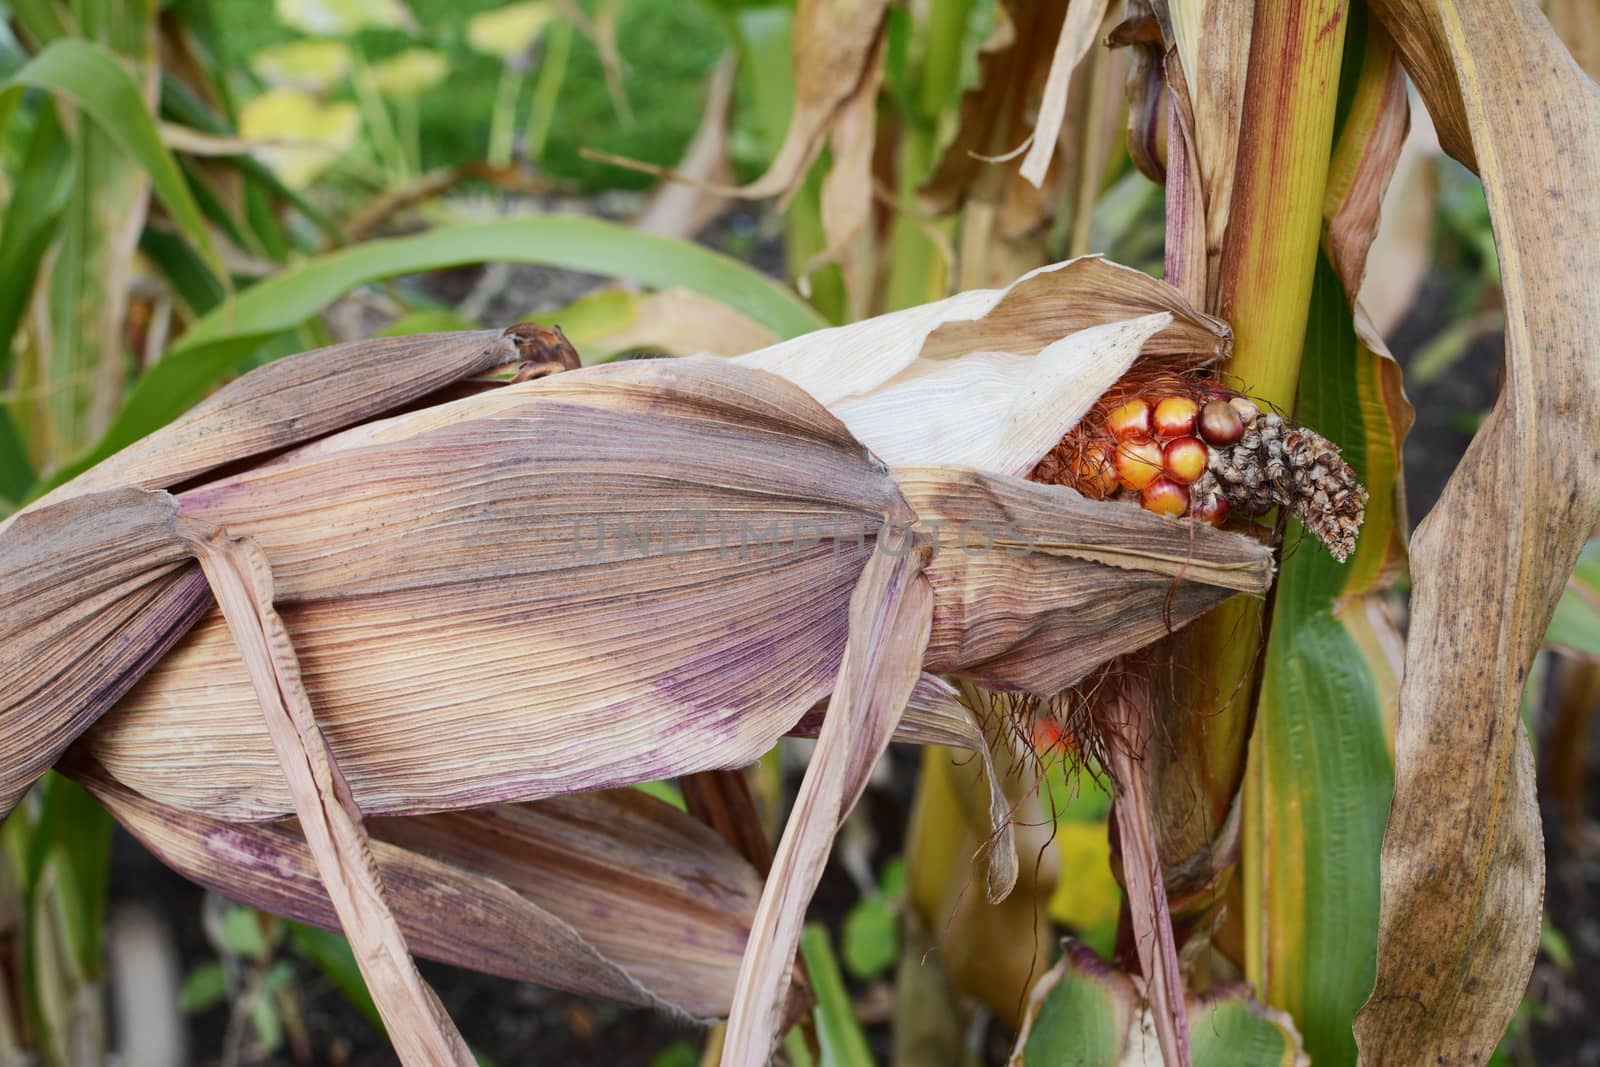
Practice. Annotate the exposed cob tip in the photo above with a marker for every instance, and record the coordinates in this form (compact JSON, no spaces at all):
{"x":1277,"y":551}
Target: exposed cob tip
{"x":1273,"y":465}
{"x":1190,"y":449}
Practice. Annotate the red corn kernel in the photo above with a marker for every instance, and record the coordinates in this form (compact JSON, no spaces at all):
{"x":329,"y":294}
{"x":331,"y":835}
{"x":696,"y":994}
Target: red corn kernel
{"x":1220,"y":423}
{"x":1174,"y":416}
{"x":1211,"y":510}
{"x":1138,"y":463}
{"x":1185,"y":459}
{"x":1130,"y":420}
{"x":1165,"y":497}
{"x":1095,"y":473}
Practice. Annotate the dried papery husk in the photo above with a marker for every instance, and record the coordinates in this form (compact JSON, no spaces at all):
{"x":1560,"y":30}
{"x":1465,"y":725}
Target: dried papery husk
{"x":890,"y":614}
{"x":306,"y":396}
{"x":578,"y":893}
{"x":426,"y":628}
{"x":440,"y":603}
{"x":1023,"y":573}
{"x":1038,"y":310}
{"x":994,"y":410}
{"x":608,"y":895}
{"x":936,"y":715}
{"x":92,"y":592}
{"x":446,"y":598}
{"x":241,"y":580}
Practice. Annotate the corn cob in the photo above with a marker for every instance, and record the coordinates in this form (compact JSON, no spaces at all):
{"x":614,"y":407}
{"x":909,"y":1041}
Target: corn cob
{"x":1197,"y":452}
{"x":411,"y":622}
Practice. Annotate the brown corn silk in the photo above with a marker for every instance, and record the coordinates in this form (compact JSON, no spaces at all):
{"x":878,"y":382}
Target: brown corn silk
{"x":620,"y":574}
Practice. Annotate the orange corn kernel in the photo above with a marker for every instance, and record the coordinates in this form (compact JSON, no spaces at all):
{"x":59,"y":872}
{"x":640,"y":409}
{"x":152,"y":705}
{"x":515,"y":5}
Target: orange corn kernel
{"x":1130,"y":420}
{"x":1185,"y":459}
{"x":1138,"y":463}
{"x":1165,"y":497}
{"x":1175,"y":416}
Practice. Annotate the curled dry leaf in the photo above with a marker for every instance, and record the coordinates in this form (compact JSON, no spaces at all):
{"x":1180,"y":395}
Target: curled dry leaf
{"x":834,"y":45}
{"x":1078,"y":31}
{"x":837,"y":59}
{"x":1361,"y":167}
{"x":1212,"y":39}
{"x":1014,"y":65}
{"x":847,"y":191}
{"x":1463,"y":860}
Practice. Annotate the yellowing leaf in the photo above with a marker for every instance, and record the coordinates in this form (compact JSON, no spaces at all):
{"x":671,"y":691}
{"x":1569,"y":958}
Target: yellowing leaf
{"x":311,"y":66}
{"x":339,"y":18}
{"x":410,"y":73}
{"x":508,"y":32}
{"x":1086,"y":896}
{"x":308,"y":134}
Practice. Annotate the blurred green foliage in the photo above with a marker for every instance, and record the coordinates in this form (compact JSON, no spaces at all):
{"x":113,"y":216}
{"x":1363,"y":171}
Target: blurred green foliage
{"x":667,"y":48}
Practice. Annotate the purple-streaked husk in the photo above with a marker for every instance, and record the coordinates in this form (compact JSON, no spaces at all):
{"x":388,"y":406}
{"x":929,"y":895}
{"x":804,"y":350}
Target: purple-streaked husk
{"x":578,"y":893}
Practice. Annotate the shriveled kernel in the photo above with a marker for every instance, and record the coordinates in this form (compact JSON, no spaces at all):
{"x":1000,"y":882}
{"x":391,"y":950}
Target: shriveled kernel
{"x":1175,"y":416}
{"x":1185,"y":459}
{"x":1220,"y":424}
{"x":1165,"y":497}
{"x":1095,"y":474}
{"x":1130,"y":421}
{"x":1138,"y":463}
{"x":1245,"y":407}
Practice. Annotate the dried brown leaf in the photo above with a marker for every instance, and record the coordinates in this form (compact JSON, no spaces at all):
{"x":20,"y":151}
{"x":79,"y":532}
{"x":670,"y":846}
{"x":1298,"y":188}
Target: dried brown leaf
{"x":1359,"y":172}
{"x":1463,"y":861}
{"x":847,"y":191}
{"x":996,"y":114}
{"x":1078,"y":32}
{"x":834,"y":42}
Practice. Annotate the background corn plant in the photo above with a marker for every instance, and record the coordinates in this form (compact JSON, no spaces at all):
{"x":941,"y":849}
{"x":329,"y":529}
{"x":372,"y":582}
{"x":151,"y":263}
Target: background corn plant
{"x":150,"y":253}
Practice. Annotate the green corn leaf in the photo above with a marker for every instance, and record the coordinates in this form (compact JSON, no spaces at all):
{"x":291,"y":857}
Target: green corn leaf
{"x":1322,"y":768}
{"x":838,"y":1032}
{"x":1080,"y":1015}
{"x":1576,"y":625}
{"x":1083,"y":1013}
{"x":38,"y":195}
{"x":220,"y":343}
{"x":16,"y":469}
{"x":205,"y":987}
{"x":1234,"y":1032}
{"x":88,"y":76}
